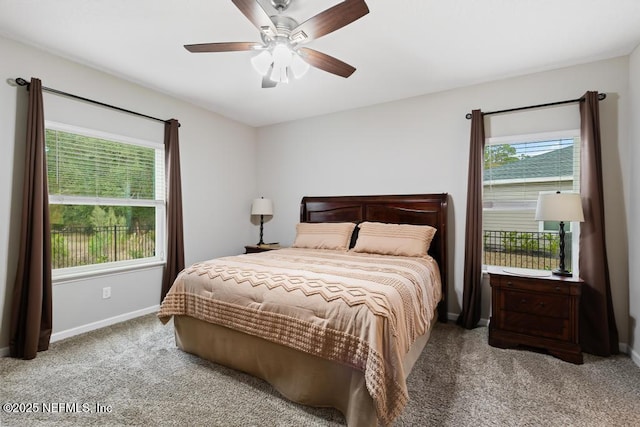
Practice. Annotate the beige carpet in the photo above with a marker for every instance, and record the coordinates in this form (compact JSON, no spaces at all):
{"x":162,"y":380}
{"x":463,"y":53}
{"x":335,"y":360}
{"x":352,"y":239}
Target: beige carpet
{"x":136,"y":369}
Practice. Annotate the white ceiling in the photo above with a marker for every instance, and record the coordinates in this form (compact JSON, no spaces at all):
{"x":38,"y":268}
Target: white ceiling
{"x":402,"y":48}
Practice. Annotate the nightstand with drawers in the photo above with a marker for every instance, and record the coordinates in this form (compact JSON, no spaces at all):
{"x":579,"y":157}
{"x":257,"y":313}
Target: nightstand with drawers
{"x":535,"y":309}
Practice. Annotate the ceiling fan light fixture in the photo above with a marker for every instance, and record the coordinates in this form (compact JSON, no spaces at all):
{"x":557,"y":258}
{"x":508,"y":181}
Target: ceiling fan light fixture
{"x":262,"y":62}
{"x":282,"y":57}
{"x":280,"y":74}
{"x":299,"y":66}
{"x":281,"y":36}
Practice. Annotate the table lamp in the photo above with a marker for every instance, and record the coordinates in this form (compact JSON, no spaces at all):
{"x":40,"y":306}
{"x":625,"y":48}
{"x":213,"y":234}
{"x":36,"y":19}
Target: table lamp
{"x":261,"y":207}
{"x":560,"y":207}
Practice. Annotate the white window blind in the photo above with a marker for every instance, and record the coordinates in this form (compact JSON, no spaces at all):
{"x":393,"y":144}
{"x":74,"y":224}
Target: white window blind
{"x":517,"y":170}
{"x":82,"y":165}
{"x":106,"y":199}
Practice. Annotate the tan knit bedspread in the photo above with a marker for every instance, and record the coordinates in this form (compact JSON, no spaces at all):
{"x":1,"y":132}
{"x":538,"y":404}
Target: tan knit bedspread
{"x":361,"y":310}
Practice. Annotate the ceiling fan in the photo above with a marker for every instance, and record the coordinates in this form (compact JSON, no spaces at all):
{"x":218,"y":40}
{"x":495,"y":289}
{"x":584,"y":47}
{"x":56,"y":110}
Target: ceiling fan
{"x":282,"y":50}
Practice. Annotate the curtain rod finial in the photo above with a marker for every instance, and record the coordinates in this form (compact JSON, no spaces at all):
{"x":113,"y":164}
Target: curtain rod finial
{"x":21,"y":82}
{"x":468,"y":116}
{"x":601,"y":96}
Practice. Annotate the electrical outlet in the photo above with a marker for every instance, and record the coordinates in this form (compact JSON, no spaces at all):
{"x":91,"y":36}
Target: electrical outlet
{"x":106,"y":292}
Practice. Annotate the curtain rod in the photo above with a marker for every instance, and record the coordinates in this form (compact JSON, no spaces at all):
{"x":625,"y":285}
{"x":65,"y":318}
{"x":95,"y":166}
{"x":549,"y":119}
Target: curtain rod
{"x":22,"y":82}
{"x":601,"y":96}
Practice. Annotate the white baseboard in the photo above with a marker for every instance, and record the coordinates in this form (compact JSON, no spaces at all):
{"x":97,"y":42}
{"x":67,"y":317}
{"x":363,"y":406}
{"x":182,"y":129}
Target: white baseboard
{"x":635,"y":356}
{"x":4,"y":351}
{"x":103,"y":323}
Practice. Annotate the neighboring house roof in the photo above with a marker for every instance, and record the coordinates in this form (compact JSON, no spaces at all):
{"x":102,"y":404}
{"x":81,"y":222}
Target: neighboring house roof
{"x":551,"y":164}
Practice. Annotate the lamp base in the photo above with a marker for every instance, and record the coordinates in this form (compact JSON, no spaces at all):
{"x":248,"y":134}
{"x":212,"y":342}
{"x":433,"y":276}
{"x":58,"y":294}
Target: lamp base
{"x":563,"y":273}
{"x":261,"y":242}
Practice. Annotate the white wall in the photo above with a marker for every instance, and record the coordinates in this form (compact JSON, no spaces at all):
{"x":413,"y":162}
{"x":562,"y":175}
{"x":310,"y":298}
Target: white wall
{"x":420,"y":145}
{"x":417,"y":145}
{"x":634,"y":207}
{"x":218,"y":159}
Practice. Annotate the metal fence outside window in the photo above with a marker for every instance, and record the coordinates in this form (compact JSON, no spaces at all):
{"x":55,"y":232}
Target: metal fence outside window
{"x":76,"y":246}
{"x":538,"y":250}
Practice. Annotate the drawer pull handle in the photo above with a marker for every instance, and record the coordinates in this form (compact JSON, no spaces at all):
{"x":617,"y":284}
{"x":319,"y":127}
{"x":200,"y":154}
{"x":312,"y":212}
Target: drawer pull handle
{"x":509,"y":284}
{"x":541,"y":304}
{"x":558,"y":288}
{"x":523,"y":301}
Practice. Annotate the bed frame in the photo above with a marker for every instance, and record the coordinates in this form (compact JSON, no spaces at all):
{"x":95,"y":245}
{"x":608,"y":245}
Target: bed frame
{"x":306,"y":378}
{"x":419,"y":209}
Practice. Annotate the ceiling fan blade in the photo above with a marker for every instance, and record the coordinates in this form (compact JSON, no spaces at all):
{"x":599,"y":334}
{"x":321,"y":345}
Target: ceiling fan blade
{"x":326,"y":62}
{"x":330,"y":20}
{"x":257,"y":15}
{"x":222,"y":47}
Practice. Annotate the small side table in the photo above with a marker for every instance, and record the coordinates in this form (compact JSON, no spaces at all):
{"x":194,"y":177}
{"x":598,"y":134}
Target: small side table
{"x":252,"y":249}
{"x":537,"y":311}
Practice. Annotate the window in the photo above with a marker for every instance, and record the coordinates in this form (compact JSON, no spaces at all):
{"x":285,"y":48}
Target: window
{"x":516,"y":170}
{"x":106,"y":199}
{"x":553,"y":226}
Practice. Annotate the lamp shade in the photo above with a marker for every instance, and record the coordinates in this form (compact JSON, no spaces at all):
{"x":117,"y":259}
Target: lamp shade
{"x":299,"y":66}
{"x":282,"y":57}
{"x":262,"y":62}
{"x":262,"y":206}
{"x":559,"y":207}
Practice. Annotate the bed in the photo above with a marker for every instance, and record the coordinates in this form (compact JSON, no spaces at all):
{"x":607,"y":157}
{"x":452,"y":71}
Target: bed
{"x":325,"y":325}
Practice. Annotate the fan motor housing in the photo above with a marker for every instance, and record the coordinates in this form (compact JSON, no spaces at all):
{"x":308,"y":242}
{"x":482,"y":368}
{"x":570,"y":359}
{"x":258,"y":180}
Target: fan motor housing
{"x":284,"y":24}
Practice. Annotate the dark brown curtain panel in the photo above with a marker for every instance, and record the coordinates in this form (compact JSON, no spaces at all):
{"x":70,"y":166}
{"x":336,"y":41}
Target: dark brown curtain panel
{"x":175,"y":239}
{"x":31,"y":323}
{"x":471,"y":297}
{"x":598,"y":332}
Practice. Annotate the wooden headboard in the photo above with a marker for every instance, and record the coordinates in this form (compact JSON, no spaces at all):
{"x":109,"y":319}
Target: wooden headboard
{"x":419,"y":209}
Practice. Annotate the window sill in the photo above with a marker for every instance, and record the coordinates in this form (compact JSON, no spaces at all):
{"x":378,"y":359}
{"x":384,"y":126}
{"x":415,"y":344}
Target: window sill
{"x":67,"y":277}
